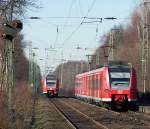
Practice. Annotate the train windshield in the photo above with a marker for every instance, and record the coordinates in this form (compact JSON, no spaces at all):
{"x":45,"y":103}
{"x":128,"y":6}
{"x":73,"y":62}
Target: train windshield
{"x":51,"y":84}
{"x":120,"y":78}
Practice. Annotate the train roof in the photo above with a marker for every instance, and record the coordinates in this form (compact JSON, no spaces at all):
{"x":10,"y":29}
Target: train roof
{"x":91,"y":72}
{"x":51,"y":76}
{"x":117,"y":64}
{"x":111,"y":66}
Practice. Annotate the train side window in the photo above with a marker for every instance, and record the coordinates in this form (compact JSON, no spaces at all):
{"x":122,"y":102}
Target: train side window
{"x":93,"y":82}
{"x":89,"y":82}
{"x":86,"y":82}
{"x":96,"y":83}
{"x":99,"y":82}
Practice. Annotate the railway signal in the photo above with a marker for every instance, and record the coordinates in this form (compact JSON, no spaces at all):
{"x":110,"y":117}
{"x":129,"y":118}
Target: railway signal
{"x":17,"y":24}
{"x":9,"y":30}
{"x":7,"y":36}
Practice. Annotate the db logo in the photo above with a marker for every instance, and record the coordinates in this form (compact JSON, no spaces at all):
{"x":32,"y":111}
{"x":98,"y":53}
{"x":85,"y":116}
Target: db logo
{"x":120,"y":91}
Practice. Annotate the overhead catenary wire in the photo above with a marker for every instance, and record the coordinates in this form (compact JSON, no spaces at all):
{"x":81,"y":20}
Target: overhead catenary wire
{"x":69,"y":14}
{"x":73,"y":17}
{"x":57,"y":34}
{"x":66,"y":22}
{"x":80,"y":7}
{"x":64,"y":26}
{"x":76,"y":29}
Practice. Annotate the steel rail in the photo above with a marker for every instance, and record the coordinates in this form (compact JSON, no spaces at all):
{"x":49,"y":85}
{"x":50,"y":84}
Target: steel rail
{"x":125,"y":114}
{"x":87,"y":117}
{"x":63,"y":115}
{"x":129,"y":113}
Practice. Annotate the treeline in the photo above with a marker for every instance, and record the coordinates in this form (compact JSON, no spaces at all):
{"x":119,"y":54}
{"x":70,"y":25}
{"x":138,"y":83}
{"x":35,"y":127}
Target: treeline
{"x":127,"y":48}
{"x":20,"y":114}
{"x":66,"y":74}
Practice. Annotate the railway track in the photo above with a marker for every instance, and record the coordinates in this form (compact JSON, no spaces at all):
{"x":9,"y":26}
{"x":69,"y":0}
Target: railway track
{"x":137,"y":116}
{"x":132,"y":114}
{"x":111,"y":119}
{"x":47,"y":117}
{"x":76,"y":117}
{"x":68,"y":113}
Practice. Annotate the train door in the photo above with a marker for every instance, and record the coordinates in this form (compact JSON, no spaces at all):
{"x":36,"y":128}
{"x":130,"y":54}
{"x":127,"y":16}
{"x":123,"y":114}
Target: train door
{"x":99,"y":85}
{"x":86,"y":93}
{"x":88,"y":85}
{"x":92,"y":86}
{"x":84,"y":83}
{"x":96,"y":85}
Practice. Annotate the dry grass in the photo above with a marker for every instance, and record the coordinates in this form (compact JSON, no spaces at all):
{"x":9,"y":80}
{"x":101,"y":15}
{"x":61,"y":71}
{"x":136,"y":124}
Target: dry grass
{"x":21,"y":115}
{"x":4,"y":116}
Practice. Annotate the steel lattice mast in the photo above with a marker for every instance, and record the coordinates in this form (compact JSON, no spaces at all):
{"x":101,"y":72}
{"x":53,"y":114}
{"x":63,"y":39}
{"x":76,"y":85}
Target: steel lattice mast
{"x":145,"y":47}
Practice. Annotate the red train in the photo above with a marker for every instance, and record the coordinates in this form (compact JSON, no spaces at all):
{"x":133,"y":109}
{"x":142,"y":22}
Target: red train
{"x":113,"y":85}
{"x":50,"y":85}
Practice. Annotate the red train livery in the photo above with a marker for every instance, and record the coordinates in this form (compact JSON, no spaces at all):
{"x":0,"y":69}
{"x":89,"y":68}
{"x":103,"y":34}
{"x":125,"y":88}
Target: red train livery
{"x":50,"y":86}
{"x":114,"y":85}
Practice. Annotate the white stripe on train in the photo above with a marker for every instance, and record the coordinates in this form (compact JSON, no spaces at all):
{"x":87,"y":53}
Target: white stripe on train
{"x":100,"y":99}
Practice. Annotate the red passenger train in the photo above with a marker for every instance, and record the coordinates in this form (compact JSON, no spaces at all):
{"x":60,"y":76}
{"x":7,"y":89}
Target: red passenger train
{"x":113,"y":85}
{"x":50,"y":85}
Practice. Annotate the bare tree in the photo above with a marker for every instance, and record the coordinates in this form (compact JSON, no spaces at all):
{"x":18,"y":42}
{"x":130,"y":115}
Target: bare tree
{"x":16,"y":7}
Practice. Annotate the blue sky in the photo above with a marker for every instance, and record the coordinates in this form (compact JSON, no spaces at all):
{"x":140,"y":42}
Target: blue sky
{"x":53,"y":28}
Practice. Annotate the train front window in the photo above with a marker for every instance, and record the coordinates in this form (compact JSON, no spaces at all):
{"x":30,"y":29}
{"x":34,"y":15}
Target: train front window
{"x":120,"y":79}
{"x":51,"y":84}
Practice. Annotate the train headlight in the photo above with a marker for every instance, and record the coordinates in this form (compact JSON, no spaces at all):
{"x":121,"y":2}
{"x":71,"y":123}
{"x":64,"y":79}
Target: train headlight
{"x":106,"y":90}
